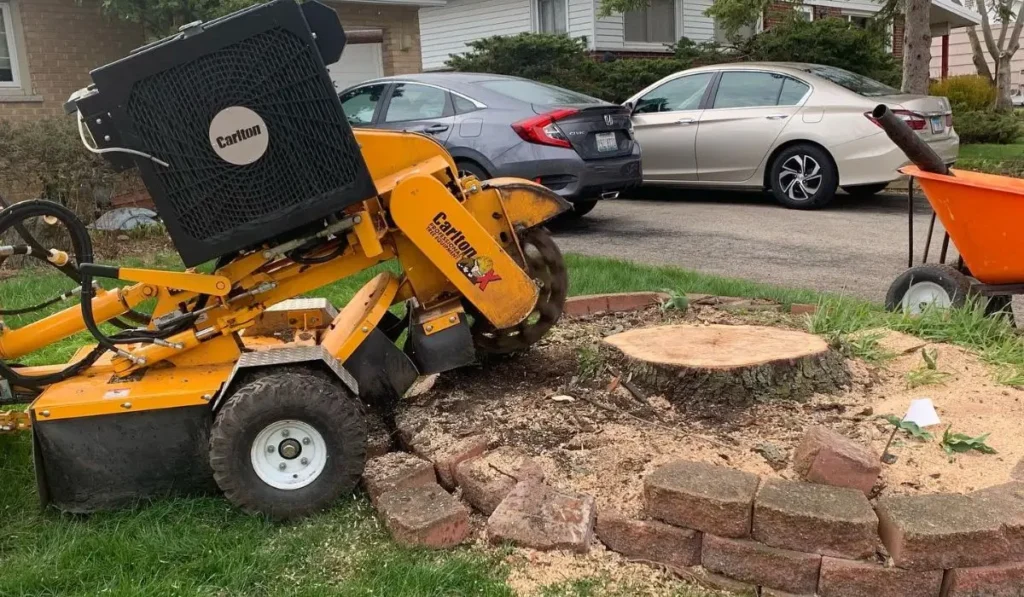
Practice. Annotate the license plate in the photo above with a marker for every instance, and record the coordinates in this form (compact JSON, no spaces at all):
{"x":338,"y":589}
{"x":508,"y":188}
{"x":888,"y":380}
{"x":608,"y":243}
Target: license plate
{"x":606,"y":142}
{"x":938,"y":124}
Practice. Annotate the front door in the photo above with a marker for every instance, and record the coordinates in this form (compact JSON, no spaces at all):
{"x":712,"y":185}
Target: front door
{"x":665,"y":124}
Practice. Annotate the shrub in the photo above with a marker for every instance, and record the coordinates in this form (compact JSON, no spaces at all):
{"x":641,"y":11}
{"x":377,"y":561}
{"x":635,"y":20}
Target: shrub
{"x":987,"y":126}
{"x":966,"y":93}
{"x":45,"y":159}
{"x":620,"y":79}
{"x":555,"y":59}
{"x":833,"y":42}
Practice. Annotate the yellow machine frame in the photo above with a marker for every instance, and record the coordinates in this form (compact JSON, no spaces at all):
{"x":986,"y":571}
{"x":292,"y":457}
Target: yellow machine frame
{"x":452,"y":237}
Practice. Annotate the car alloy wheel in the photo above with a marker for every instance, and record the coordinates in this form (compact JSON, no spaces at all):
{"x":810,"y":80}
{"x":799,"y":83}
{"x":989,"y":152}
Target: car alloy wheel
{"x":800,"y":177}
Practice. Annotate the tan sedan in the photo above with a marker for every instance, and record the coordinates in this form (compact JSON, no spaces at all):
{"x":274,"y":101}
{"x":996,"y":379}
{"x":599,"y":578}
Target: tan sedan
{"x":801,"y":130}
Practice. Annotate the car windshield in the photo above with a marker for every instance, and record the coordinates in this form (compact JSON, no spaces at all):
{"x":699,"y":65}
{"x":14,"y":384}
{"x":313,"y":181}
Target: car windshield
{"x":858,"y":84}
{"x":537,"y":93}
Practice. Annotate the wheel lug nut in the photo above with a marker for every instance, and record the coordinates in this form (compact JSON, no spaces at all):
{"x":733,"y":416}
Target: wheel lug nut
{"x":305,"y":441}
{"x":282,"y":466}
{"x":285,"y":433}
{"x":270,"y":449}
{"x":304,"y":461}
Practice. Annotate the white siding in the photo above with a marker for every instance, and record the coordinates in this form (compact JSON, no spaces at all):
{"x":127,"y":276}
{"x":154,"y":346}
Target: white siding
{"x":696,"y":25}
{"x":445,"y":30}
{"x":961,"y":59}
{"x":581,"y":19}
{"x":608,"y":32}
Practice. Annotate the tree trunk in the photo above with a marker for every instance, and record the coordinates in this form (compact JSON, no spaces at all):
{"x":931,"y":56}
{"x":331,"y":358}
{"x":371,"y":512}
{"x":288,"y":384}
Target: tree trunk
{"x":1003,"y":72}
{"x":917,"y":47}
{"x":978,"y":55}
{"x":737,"y":365}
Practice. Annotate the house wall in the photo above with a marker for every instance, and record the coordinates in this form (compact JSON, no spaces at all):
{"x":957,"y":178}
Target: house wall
{"x":961,"y":62}
{"x":63,"y":41}
{"x":690,"y":22}
{"x":400,"y":49}
{"x":446,"y":30}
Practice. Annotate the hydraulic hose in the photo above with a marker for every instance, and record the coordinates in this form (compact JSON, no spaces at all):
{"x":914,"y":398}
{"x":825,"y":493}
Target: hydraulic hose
{"x":13,"y":217}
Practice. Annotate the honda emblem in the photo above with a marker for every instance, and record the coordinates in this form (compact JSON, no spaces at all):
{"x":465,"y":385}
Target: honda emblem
{"x":608,"y":119}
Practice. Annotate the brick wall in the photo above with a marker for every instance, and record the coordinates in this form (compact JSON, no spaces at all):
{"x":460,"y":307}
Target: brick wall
{"x":64,"y":40}
{"x":401,"y":47}
{"x":897,"y":37}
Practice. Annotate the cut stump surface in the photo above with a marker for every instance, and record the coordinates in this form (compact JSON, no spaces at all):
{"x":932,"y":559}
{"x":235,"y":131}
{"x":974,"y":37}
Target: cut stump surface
{"x":737,"y":364}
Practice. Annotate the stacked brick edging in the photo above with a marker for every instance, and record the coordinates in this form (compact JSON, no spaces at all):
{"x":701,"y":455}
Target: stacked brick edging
{"x":790,"y":537}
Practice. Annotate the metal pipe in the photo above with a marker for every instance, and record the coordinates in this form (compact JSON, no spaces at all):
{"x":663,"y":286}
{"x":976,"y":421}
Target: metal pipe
{"x":923,"y":156}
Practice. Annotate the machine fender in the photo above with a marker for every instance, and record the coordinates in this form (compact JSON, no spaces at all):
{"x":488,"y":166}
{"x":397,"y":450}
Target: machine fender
{"x":527,"y":204}
{"x":261,"y":359}
{"x":463,"y":251}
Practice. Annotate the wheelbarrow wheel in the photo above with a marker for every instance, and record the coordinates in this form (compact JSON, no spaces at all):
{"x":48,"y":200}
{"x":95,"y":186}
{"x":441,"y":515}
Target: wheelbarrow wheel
{"x":928,"y":286}
{"x":1001,"y":306}
{"x":288,"y":445}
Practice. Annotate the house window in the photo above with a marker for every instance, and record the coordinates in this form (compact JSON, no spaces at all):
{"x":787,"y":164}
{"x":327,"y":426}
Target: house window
{"x":805,"y":11}
{"x":8,"y":52}
{"x":654,"y":24}
{"x":551,"y":16}
{"x":859,"y":20}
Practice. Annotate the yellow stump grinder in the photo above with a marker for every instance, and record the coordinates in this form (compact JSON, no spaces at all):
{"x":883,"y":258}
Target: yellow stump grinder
{"x":218,"y":376}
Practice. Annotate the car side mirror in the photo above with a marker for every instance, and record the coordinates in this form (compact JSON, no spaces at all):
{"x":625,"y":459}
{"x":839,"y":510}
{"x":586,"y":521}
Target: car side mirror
{"x":630,"y":106}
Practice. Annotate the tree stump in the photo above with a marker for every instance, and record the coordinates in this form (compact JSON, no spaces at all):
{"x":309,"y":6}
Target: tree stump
{"x":733,"y":364}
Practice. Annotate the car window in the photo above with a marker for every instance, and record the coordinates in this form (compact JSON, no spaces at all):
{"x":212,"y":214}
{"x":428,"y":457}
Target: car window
{"x":463,"y":105}
{"x":792,"y":92}
{"x":858,"y":84}
{"x":537,"y":93}
{"x":360,"y":104}
{"x":416,"y":102}
{"x":683,"y":93}
{"x":740,"y":89}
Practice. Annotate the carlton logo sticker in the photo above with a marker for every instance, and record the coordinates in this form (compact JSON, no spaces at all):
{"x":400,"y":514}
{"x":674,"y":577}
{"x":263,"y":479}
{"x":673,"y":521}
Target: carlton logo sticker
{"x":239,"y":135}
{"x":479,"y":269}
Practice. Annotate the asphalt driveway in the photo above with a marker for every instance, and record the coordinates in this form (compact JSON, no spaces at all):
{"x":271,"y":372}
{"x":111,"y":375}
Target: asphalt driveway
{"x":855,"y":246}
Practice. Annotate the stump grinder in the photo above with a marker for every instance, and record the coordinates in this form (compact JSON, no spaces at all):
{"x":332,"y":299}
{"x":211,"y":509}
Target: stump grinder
{"x":219,"y":376}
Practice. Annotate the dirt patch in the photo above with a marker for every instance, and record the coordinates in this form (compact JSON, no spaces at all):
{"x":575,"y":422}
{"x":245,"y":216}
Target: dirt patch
{"x":556,"y":404}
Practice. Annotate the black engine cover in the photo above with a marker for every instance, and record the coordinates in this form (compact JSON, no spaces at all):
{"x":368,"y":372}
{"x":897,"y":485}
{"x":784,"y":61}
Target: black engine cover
{"x":245,"y":114}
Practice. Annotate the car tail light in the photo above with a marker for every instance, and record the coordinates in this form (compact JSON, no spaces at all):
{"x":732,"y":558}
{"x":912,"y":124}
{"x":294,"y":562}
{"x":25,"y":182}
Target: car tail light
{"x":542,"y":130}
{"x":949,"y":120}
{"x":914,"y":120}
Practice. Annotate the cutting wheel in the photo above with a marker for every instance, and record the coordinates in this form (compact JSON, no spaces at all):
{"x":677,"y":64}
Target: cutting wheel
{"x":545,"y":264}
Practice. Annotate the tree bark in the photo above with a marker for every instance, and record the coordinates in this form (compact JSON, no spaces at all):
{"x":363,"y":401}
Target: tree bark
{"x":721,"y":364}
{"x":917,"y":47}
{"x":978,"y":55}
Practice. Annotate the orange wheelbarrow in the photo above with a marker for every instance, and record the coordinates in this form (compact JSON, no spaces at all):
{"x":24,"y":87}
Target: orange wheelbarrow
{"x":983,"y":215}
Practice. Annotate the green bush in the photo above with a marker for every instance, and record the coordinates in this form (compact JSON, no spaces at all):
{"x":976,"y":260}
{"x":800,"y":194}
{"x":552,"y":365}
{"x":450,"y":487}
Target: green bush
{"x":987,"y":126}
{"x":966,"y":93}
{"x":45,"y":159}
{"x":566,"y":62}
{"x":555,"y":59}
{"x":833,"y":42}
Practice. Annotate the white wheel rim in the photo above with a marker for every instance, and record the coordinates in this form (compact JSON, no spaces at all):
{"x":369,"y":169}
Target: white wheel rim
{"x":922,"y":295}
{"x":289,"y":454}
{"x":800,"y":177}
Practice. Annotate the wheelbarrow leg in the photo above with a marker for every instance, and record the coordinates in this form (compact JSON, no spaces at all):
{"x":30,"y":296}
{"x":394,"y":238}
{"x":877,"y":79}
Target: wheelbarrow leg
{"x":928,"y":242}
{"x":910,"y":223}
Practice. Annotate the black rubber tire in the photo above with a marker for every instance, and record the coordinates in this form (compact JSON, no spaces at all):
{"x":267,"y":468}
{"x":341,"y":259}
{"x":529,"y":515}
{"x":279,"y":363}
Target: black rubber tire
{"x":866,"y":190}
{"x":829,"y":177}
{"x":467,"y":167}
{"x":580,"y":209}
{"x":956,"y":284}
{"x":329,"y":407}
{"x":1001,"y":306}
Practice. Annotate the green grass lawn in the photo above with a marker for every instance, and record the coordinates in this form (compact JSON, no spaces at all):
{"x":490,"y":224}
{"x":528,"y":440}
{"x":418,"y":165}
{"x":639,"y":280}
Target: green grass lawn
{"x":203,"y":546}
{"x":1007,"y":160}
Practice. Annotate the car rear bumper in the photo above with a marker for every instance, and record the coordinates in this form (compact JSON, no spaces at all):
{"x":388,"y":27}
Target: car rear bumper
{"x":574,"y":179}
{"x":876,"y":159}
